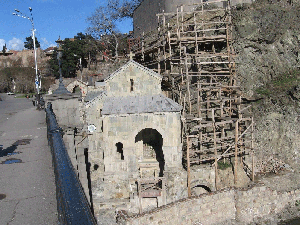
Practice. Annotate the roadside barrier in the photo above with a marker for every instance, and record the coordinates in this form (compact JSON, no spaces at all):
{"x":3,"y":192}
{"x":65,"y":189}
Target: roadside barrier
{"x":72,"y":204}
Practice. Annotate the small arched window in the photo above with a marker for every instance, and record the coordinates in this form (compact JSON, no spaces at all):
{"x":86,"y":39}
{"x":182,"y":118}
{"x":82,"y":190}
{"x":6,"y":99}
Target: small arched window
{"x":119,"y":146}
{"x":131,"y":84}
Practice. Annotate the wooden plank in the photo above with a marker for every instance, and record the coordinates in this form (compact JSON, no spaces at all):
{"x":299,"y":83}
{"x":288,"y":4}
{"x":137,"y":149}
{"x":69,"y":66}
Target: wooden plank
{"x":152,"y":180}
{"x":208,"y":38}
{"x":202,"y":30}
{"x":252,"y":147}
{"x":216,"y":159}
{"x":188,"y":168}
{"x":140,"y":198}
{"x":217,"y":124}
{"x":205,"y":23}
{"x":236,"y":151}
{"x":150,"y":193}
{"x":192,"y":161}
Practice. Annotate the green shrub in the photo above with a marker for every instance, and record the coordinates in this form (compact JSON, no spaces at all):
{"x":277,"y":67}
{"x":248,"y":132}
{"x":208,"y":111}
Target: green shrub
{"x":280,"y":85}
{"x":263,"y":91}
{"x":223,"y":165}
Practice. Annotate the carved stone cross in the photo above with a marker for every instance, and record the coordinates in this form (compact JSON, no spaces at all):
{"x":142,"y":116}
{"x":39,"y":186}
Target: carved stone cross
{"x":131,"y":55}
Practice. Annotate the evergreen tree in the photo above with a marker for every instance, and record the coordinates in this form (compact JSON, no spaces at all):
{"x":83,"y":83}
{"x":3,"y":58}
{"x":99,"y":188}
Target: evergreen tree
{"x":4,"y":49}
{"x":82,"y":47}
{"x":29,"y":43}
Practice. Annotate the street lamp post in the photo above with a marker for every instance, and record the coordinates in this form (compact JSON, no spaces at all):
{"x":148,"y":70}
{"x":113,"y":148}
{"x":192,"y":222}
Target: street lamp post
{"x":59,"y":55}
{"x":61,"y":87}
{"x":37,"y":77}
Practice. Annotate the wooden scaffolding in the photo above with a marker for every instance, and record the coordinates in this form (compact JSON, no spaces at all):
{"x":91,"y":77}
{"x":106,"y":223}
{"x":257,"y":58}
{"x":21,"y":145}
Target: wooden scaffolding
{"x":193,"y":51}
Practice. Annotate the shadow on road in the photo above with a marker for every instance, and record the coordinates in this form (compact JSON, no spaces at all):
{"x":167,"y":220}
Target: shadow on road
{"x":10,"y":150}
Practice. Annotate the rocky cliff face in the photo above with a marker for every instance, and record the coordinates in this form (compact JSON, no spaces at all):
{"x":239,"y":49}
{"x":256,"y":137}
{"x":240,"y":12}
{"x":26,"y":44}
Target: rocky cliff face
{"x":266,"y":40}
{"x":267,"y":45}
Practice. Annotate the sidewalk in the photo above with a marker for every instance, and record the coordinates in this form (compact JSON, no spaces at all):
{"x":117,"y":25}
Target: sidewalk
{"x":27,"y":182}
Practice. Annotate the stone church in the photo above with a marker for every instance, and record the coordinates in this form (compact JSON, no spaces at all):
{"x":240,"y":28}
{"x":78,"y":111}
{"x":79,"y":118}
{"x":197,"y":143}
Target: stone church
{"x":135,"y":148}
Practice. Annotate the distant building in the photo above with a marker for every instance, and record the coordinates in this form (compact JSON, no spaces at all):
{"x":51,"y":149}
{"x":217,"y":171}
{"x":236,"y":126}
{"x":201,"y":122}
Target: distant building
{"x":6,"y":53}
{"x":49,"y":51}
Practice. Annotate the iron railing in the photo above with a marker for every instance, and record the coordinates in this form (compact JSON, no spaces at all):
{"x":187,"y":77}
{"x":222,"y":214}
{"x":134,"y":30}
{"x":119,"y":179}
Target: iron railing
{"x":72,"y":204}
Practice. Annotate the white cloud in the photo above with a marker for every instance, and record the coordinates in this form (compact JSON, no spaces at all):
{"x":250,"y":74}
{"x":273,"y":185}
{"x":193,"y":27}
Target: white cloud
{"x":2,"y":43}
{"x":15,"y":44}
{"x":46,"y":44}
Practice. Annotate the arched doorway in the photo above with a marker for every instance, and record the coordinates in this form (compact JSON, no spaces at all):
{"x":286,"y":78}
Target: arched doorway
{"x":200,"y":189}
{"x":152,"y":146}
{"x":76,"y":90}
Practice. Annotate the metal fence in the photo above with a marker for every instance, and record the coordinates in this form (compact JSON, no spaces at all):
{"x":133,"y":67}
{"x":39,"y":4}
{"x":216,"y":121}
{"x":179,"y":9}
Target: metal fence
{"x":72,"y":204}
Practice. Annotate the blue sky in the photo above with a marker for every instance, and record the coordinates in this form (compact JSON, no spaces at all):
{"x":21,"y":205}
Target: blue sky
{"x":52,"y":18}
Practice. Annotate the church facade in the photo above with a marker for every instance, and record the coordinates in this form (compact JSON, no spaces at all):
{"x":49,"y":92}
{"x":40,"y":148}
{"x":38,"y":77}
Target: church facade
{"x":135,"y":148}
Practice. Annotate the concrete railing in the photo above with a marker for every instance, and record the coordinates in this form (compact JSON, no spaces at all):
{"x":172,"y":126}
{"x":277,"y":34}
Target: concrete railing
{"x":72,"y":204}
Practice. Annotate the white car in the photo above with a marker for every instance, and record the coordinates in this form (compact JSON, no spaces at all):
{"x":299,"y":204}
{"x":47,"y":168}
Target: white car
{"x":10,"y":93}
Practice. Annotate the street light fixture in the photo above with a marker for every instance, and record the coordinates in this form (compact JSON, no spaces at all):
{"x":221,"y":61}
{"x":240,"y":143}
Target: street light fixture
{"x":37,"y":77}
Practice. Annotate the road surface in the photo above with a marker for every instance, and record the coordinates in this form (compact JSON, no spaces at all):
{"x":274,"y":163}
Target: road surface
{"x":27,"y":182}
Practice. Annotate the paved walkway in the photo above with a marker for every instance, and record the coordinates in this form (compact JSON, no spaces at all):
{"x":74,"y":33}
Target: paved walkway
{"x":27,"y":183}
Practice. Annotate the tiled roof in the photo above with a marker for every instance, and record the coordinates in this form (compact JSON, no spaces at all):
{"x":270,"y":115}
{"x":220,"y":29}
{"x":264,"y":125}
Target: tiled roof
{"x":91,"y":95}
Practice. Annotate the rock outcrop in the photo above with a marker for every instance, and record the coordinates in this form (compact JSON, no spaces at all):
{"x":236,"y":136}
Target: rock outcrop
{"x":267,"y":44}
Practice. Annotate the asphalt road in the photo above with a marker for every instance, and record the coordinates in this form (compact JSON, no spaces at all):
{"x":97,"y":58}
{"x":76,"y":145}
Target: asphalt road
{"x":10,"y":106}
{"x":27,"y":182}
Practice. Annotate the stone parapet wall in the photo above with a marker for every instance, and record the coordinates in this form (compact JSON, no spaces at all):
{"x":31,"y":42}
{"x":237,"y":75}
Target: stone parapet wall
{"x":67,"y":109}
{"x":240,"y":206}
{"x":260,"y":202}
{"x":205,"y":209}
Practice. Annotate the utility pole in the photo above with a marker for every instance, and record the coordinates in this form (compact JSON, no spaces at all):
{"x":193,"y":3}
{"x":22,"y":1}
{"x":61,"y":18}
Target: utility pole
{"x":37,"y":82}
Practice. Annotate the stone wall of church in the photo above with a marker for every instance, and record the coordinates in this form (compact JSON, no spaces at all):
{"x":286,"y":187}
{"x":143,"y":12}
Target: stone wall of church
{"x":93,"y":117}
{"x":133,"y":83}
{"x":125,"y":147}
{"x":125,"y":128}
{"x":115,"y":178}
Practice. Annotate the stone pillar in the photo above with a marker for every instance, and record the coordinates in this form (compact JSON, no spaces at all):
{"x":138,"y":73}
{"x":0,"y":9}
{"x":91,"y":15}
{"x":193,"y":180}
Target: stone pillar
{"x":80,"y":145}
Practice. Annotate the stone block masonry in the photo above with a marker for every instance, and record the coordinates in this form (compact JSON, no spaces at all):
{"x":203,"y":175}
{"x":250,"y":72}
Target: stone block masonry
{"x":239,"y":206}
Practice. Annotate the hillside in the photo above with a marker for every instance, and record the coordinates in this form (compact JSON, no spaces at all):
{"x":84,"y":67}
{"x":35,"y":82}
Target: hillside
{"x":18,"y":70}
{"x":266,"y":42}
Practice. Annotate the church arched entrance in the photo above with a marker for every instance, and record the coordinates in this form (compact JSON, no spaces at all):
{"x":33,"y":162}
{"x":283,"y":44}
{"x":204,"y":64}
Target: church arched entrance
{"x":76,"y":90}
{"x":152,"y":152}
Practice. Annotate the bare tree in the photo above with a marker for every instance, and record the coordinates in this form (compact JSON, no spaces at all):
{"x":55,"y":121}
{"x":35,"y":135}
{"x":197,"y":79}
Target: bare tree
{"x":123,"y":9}
{"x":103,"y":20}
